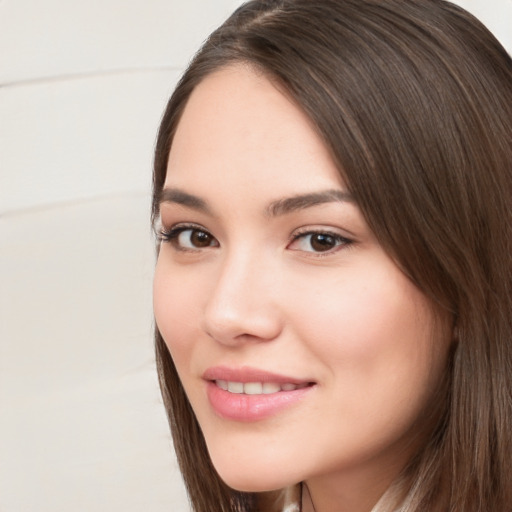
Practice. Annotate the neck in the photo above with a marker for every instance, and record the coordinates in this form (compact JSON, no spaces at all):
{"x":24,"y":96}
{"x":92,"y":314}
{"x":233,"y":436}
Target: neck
{"x":306,"y":503}
{"x":347,"y":493}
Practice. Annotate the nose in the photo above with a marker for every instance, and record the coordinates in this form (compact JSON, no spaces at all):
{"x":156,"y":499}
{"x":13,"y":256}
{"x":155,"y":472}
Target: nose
{"x":243,"y":305}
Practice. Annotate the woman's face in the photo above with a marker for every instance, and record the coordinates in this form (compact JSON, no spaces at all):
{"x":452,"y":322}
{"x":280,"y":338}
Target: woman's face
{"x":270,"y":283}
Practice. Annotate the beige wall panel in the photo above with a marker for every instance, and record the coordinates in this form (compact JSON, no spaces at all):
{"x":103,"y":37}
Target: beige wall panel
{"x":495,"y":14}
{"x":83,"y":425}
{"x":55,"y":37}
{"x":79,"y":138}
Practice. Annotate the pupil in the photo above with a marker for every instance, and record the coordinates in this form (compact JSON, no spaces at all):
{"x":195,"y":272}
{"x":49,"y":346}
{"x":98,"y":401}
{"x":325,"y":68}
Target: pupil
{"x":322,"y":242}
{"x":200,"y":239}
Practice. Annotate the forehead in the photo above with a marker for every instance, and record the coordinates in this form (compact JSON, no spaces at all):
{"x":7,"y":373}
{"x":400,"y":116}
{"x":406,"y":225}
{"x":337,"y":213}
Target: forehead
{"x":238,"y":125}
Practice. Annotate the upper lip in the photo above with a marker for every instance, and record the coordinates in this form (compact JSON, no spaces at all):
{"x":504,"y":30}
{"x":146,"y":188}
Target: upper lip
{"x":248,"y":374}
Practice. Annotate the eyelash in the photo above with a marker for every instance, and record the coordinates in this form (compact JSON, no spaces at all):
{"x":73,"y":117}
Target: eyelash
{"x":341,"y":242}
{"x":171,"y":236}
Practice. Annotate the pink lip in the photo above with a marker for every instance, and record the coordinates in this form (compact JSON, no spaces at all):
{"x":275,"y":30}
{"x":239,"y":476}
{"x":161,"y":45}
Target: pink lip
{"x":248,"y":374}
{"x":247,"y":408}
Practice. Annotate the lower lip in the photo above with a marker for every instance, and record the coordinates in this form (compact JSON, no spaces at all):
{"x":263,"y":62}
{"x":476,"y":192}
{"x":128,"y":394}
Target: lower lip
{"x":242,"y":407}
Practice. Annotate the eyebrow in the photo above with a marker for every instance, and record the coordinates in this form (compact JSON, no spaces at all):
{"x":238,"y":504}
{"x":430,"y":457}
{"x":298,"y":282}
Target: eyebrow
{"x":303,"y":201}
{"x":175,"y":195}
{"x":274,"y":209}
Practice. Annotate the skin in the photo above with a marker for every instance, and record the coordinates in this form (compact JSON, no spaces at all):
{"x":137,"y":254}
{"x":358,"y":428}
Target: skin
{"x":261,"y":294}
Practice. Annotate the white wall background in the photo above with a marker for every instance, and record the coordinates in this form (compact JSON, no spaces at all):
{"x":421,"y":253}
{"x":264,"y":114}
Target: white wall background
{"x":82,"y":88}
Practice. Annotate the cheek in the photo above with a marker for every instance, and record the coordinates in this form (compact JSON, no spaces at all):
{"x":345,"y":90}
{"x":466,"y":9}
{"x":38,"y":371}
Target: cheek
{"x":379,"y":361}
{"x":358,"y":313}
{"x":373,"y":330}
{"x":174,"y":305}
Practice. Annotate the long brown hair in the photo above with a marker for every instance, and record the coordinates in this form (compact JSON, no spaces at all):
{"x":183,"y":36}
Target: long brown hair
{"x":414,"y":100}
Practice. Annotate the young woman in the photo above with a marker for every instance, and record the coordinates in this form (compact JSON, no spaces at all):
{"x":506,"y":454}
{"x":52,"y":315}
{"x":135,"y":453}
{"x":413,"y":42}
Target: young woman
{"x":333,"y":188}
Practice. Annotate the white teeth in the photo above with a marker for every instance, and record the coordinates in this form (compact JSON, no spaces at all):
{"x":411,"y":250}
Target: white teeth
{"x":257,"y":388}
{"x":223,"y":384}
{"x":269,"y":387}
{"x":235,"y":387}
{"x":253,"y":388}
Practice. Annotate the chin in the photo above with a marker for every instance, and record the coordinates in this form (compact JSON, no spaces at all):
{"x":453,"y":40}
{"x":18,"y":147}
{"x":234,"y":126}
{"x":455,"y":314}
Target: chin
{"x":248,"y":479}
{"x":250,"y":461}
{"x":250,"y":485}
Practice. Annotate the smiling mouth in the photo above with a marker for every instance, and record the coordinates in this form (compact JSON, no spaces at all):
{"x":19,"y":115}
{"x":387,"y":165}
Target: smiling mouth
{"x":258,"y":388}
{"x":248,"y":394}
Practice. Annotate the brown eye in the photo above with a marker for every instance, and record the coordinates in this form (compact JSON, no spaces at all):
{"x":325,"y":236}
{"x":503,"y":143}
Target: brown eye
{"x":321,"y":242}
{"x":318,"y":242}
{"x":200,"y":238}
{"x":192,"y":238}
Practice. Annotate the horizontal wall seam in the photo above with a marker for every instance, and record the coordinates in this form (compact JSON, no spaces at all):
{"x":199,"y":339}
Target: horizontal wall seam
{"x":88,"y":74}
